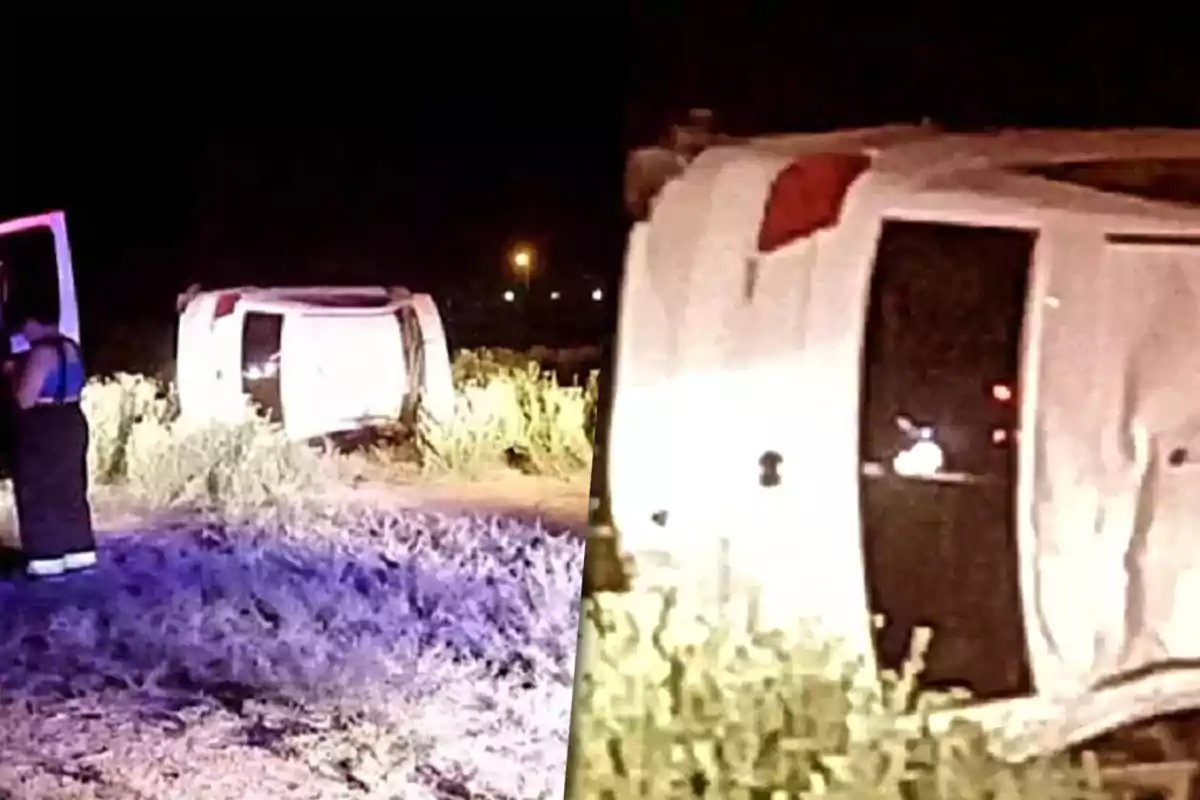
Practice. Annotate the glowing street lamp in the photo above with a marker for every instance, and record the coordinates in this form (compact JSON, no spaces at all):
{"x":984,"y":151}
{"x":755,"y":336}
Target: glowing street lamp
{"x":521,"y":259}
{"x":555,"y":295}
{"x":509,"y":295}
{"x":597,"y":295}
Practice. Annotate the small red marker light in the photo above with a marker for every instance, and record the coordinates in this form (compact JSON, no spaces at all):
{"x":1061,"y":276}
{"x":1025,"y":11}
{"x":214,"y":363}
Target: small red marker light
{"x":225,"y":304}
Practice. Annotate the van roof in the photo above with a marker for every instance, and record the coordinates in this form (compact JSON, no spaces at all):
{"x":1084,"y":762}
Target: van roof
{"x":924,"y":149}
{"x":1141,"y":172}
{"x":335,"y":299}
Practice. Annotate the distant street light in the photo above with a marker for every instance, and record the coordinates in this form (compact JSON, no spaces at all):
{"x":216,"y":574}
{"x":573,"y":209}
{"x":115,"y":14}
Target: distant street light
{"x":509,"y":296}
{"x":597,"y":295}
{"x":521,"y":259}
{"x":555,"y":295}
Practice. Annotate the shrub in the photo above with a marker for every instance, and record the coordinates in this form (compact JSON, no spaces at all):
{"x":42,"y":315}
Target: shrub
{"x":483,"y":364}
{"x":113,"y":407}
{"x":236,"y":469}
{"x":591,"y":405}
{"x":509,"y":410}
{"x":663,"y":713}
{"x":139,"y":443}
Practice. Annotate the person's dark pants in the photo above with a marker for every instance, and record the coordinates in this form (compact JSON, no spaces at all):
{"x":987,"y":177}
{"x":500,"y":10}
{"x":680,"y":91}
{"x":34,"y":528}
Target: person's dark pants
{"x":51,"y":482}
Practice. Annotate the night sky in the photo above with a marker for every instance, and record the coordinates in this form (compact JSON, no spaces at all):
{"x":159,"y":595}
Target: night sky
{"x":300,"y":149}
{"x":310,"y":151}
{"x":809,"y":68}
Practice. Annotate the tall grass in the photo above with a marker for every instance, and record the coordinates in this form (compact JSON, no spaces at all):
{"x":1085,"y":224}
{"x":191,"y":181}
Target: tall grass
{"x":510,"y":412}
{"x":140,"y":445}
{"x":666,"y":708}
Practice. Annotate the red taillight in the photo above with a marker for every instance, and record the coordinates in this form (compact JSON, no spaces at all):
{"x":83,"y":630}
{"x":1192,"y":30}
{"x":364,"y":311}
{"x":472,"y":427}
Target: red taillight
{"x":225,"y":304}
{"x":807,"y":196}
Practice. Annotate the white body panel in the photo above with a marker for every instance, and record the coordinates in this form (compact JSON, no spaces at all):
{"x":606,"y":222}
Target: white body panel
{"x":341,"y":373}
{"x":342,"y":360}
{"x":707,"y":380}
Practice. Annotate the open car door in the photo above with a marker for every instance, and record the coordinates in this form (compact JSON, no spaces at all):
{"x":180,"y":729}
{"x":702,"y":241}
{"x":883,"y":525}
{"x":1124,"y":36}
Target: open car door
{"x":35,"y":271}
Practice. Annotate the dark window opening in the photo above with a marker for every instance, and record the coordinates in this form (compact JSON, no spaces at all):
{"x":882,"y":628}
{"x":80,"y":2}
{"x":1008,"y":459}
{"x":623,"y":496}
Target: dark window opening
{"x":262,"y":340}
{"x":942,"y":350}
{"x":1165,"y":180}
{"x":29,"y":275}
{"x":28,"y":284}
{"x":946,"y":308}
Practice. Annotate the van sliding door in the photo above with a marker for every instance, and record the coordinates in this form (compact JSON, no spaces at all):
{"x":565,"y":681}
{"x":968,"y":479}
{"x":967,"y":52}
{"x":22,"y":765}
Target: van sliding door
{"x":940,"y":362}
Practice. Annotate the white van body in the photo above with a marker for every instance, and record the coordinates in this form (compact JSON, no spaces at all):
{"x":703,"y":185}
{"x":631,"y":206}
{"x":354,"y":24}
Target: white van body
{"x":56,"y":223}
{"x":728,"y":355}
{"x":337,"y":359}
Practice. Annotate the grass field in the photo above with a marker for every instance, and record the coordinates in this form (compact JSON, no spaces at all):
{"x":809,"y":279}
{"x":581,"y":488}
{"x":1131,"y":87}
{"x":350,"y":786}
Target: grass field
{"x":378,"y":653}
{"x":274,"y":621}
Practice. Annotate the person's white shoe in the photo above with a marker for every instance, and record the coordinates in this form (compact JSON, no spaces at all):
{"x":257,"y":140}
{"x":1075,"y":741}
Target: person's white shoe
{"x":45,"y":567}
{"x":84,"y":559}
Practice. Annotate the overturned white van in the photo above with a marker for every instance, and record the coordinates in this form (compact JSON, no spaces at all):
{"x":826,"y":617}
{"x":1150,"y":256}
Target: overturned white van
{"x":319,"y":360}
{"x":799,"y":312}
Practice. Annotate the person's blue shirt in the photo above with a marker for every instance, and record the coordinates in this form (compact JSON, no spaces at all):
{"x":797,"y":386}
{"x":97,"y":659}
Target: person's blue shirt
{"x":67,"y":379}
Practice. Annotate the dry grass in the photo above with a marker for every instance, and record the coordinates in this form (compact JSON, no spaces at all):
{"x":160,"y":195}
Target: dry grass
{"x":371,"y":654}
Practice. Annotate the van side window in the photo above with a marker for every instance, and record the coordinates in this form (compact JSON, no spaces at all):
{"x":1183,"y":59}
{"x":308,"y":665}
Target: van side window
{"x":944,"y":329}
{"x":262,"y":338}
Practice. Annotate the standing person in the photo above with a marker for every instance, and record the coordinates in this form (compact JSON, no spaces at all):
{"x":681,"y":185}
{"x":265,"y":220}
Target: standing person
{"x":50,"y":459}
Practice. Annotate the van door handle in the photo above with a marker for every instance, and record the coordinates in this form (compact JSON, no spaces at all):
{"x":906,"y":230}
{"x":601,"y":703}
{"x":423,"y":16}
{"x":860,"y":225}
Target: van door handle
{"x":768,"y":465}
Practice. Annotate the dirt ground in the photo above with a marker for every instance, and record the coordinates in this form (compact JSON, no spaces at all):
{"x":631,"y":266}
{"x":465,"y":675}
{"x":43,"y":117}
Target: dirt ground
{"x":557,"y":503}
